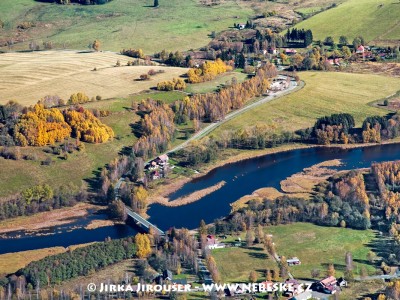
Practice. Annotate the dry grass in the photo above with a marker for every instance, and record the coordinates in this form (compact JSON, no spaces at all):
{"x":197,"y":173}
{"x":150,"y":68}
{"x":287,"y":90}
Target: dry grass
{"x":305,"y":181}
{"x":115,"y":273}
{"x":193,"y":197}
{"x":99,"y":223}
{"x":46,"y":219}
{"x":27,"y":77}
{"x":12,"y":262}
{"x":258,"y":195}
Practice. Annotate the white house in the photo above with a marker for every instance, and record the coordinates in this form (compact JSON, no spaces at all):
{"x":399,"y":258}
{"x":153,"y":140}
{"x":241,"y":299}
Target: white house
{"x":216,"y":246}
{"x":294,"y":261}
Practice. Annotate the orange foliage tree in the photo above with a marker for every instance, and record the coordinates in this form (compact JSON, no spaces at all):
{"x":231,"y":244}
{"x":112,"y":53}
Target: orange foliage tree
{"x":207,"y":71}
{"x":86,"y":127}
{"x":40,"y":126}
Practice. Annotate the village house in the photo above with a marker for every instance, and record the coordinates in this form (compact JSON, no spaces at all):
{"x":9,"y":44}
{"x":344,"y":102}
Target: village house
{"x":327,"y":285}
{"x":157,"y":167}
{"x":360,"y":49}
{"x":341,"y":282}
{"x":212,"y":243}
{"x":162,"y":160}
{"x":290,"y":51}
{"x":165,"y":276}
{"x":294,"y":261}
{"x":273,"y":51}
{"x":279,"y":85}
{"x":334,"y":62}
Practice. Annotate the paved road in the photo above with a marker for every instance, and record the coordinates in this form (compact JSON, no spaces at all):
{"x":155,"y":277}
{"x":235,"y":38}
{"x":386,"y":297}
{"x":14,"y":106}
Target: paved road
{"x":206,"y":130}
{"x":293,"y":86}
{"x":383,"y":277}
{"x":143,"y":221}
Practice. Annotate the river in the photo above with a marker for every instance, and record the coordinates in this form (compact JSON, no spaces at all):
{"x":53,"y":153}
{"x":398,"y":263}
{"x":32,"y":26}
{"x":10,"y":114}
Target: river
{"x":242,"y":178}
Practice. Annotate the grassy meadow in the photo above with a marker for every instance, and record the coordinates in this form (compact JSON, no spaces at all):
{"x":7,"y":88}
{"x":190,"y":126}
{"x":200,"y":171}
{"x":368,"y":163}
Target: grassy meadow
{"x":318,"y":246}
{"x":215,"y":84}
{"x":324,"y":94}
{"x":174,"y":25}
{"x":235,"y":264}
{"x":375,"y":20}
{"x":315,"y":246}
{"x":18,"y":175}
{"x":27,"y":77}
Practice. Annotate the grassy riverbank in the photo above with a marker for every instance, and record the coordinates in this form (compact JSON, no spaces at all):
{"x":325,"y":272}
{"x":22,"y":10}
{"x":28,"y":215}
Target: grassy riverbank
{"x":47,"y":219}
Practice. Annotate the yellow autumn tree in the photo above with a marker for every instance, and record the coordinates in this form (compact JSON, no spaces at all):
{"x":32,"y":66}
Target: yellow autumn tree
{"x":143,"y":245}
{"x":86,"y":127}
{"x":207,"y":71}
{"x":78,"y":98}
{"x":40,"y":126}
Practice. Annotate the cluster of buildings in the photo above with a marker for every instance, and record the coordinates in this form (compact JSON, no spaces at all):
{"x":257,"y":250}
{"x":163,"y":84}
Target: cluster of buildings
{"x":157,"y":167}
{"x":371,"y":53}
{"x":279,"y":84}
{"x":213,"y":243}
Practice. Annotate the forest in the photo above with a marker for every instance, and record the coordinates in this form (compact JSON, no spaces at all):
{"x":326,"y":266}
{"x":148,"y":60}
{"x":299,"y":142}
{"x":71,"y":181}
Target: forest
{"x":40,"y":126}
{"x":79,"y":262}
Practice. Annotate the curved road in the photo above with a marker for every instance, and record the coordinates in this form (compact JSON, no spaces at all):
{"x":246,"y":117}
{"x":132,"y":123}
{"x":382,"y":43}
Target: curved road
{"x":206,"y":130}
{"x":293,"y":86}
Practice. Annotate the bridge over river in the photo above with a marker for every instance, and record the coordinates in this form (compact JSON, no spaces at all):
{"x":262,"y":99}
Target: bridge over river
{"x":142,"y":221}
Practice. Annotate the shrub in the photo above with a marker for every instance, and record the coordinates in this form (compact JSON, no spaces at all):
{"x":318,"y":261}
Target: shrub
{"x":47,"y":162}
{"x":144,"y":77}
{"x":31,"y":156}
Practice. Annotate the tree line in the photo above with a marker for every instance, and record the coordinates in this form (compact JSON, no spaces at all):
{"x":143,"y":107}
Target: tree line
{"x":40,"y":198}
{"x":211,"y":107}
{"x":340,"y":128}
{"x":300,"y":36}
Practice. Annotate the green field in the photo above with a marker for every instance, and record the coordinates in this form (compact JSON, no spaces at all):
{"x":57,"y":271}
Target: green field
{"x":18,"y":175}
{"x":318,"y":246}
{"x":357,"y":17}
{"x":235,"y":264}
{"x":175,"y":25}
{"x":218,"y":82}
{"x":324,"y":94}
{"x":315,"y":246}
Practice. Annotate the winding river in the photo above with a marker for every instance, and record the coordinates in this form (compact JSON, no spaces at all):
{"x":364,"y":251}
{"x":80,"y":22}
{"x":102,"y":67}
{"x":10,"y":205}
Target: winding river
{"x":242,"y":178}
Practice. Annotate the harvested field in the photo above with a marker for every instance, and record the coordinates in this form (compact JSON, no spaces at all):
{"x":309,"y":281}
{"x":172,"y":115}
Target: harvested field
{"x":27,"y":77}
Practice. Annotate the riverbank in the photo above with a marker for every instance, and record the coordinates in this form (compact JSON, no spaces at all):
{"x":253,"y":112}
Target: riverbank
{"x":198,"y":195}
{"x":229,"y":156}
{"x":298,"y":185}
{"x":48,"y":219}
